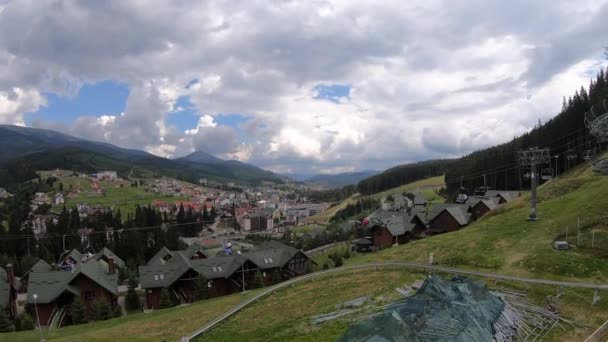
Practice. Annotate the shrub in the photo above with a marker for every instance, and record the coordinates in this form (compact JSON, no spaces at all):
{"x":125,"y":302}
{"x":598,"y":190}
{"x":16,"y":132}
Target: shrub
{"x":132,"y":298}
{"x":77,"y":311}
{"x":26,"y":322}
{"x":102,"y":310}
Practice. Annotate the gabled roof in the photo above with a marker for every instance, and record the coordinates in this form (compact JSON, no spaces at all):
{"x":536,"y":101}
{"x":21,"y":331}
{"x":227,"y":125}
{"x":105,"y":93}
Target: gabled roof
{"x":109,"y":254}
{"x":397,"y":222}
{"x":48,"y":284}
{"x":419,"y":199}
{"x":508,"y":195}
{"x":457,"y":212}
{"x":489,"y":203}
{"x":219,"y":267}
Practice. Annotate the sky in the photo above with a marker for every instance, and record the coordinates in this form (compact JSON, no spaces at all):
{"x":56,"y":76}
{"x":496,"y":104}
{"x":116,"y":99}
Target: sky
{"x":296,"y":86}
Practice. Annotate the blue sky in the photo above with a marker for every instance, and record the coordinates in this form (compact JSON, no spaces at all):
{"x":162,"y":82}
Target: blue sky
{"x":101,"y":98}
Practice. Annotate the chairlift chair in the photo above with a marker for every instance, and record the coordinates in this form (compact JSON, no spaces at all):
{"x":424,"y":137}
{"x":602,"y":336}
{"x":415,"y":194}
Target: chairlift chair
{"x":546,"y":174}
{"x":527,"y":176}
{"x":481,"y":191}
{"x":463,"y":195}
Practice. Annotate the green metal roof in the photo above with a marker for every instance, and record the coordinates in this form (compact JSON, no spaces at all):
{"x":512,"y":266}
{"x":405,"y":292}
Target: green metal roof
{"x":48,"y":284}
{"x":109,"y":254}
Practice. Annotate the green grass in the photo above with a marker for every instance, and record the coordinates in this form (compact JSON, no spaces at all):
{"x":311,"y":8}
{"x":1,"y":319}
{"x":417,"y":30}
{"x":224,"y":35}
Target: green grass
{"x":160,"y":325}
{"x":125,"y":198}
{"x":501,"y":242}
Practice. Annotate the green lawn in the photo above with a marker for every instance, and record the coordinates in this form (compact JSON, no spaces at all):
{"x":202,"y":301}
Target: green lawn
{"x":124,"y":197}
{"x":160,"y":325}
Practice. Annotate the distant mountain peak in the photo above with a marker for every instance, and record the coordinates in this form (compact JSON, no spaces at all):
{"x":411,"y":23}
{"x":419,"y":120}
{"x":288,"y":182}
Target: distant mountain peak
{"x":202,"y":157}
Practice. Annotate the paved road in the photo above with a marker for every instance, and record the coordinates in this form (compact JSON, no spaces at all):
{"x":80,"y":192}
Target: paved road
{"x":290,"y":282}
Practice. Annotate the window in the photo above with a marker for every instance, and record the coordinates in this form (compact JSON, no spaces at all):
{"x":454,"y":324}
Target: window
{"x":270,"y":259}
{"x":219,"y":268}
{"x":265,"y":260}
{"x":162,"y":276}
{"x":214,"y":269}
{"x":156,"y":277}
{"x":89,"y":296}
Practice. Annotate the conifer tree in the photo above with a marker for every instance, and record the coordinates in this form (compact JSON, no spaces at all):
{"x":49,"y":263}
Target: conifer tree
{"x":132,"y":298}
{"x":165,"y":299}
{"x":78,"y":313}
{"x":202,"y":291}
{"x":258,"y":280}
{"x":26,"y":322}
{"x":102,"y":309}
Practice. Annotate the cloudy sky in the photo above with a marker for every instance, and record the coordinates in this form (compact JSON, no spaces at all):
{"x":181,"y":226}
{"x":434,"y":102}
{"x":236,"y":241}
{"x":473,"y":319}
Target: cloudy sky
{"x":296,"y":86}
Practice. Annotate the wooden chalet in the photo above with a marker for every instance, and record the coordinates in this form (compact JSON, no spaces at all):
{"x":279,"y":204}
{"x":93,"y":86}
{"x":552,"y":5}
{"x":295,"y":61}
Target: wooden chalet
{"x":483,"y":206}
{"x":449,"y":218}
{"x":273,"y":256}
{"x":77,"y":275}
{"x":394,"y":227}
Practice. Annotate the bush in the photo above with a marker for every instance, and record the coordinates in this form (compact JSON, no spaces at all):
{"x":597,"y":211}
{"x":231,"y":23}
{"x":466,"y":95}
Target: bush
{"x":325,"y":266}
{"x":338,"y":261}
{"x":165,"y":299}
{"x":276,"y":276}
{"x":347,"y":254}
{"x":117,"y":311}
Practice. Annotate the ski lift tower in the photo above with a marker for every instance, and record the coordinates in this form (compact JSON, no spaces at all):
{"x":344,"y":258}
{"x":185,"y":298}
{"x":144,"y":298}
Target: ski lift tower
{"x":534,"y":157}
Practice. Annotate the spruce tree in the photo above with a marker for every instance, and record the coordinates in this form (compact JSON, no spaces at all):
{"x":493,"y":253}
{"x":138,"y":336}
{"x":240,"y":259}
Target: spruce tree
{"x":258,"y":281}
{"x":276,"y":277}
{"x":202,"y":292}
{"x":165,"y":299}
{"x":77,"y":311}
{"x":103,"y":310}
{"x":132,"y":298}
{"x":26,"y":322}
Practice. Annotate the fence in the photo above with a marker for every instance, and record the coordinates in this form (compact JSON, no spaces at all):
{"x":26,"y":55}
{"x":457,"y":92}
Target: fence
{"x":600,"y":335}
{"x":584,"y":234}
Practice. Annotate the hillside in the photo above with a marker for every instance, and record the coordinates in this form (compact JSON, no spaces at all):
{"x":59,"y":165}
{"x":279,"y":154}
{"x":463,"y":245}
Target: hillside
{"x":340,"y":179}
{"x":502,"y":242}
{"x":24,"y":150}
{"x":426,"y":186}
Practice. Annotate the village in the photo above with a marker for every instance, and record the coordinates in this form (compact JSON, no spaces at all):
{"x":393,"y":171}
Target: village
{"x":223,"y":257}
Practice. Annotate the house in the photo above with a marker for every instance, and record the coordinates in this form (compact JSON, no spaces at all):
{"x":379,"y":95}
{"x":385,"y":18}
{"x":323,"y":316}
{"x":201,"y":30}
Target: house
{"x":5,"y":194}
{"x":38,"y":223}
{"x":393,"y":227}
{"x":39,"y":266}
{"x":78,"y":275}
{"x":59,"y":198}
{"x":449,"y":218}
{"x":106,"y":257}
{"x":296,"y":214}
{"x":107,"y":175}
{"x":482,"y":206}
{"x":180,"y":272}
{"x":41,"y":198}
{"x":8,"y":290}
{"x":274,"y":257}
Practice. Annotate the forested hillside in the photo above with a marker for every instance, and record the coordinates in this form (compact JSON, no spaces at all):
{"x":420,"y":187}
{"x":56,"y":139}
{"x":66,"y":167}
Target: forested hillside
{"x":565,"y":135}
{"x":403,"y":174}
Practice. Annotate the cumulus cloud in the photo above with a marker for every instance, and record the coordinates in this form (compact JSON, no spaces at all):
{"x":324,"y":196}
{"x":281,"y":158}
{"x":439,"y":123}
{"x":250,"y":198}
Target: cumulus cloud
{"x":427,"y":79}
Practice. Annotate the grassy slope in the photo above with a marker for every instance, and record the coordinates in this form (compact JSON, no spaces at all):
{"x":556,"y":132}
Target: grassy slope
{"x":503,"y":242}
{"x":426,"y":186}
{"x":161,"y":325}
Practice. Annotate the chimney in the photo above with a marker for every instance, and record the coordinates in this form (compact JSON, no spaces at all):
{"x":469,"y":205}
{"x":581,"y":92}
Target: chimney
{"x":111,"y":266}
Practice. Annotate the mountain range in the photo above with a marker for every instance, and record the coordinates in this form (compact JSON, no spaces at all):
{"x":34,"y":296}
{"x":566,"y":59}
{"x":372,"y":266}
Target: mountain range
{"x":24,"y":150}
{"x":340,"y":179}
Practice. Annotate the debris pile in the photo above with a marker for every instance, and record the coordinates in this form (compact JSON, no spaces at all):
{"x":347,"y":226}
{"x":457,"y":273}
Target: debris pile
{"x":457,"y":310}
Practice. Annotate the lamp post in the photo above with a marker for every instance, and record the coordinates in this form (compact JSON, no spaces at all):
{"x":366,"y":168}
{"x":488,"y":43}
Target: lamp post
{"x":35,"y":296}
{"x":556,"y":157}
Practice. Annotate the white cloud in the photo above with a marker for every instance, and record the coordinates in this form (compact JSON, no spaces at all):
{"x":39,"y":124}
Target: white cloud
{"x":429,"y":78}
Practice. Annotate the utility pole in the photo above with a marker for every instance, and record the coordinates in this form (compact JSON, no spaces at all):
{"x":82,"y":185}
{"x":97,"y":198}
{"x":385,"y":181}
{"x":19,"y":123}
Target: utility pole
{"x":556,"y":166}
{"x":533,"y":157}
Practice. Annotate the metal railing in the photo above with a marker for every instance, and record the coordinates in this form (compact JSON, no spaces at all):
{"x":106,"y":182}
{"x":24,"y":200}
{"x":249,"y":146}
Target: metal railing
{"x":442,"y":269}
